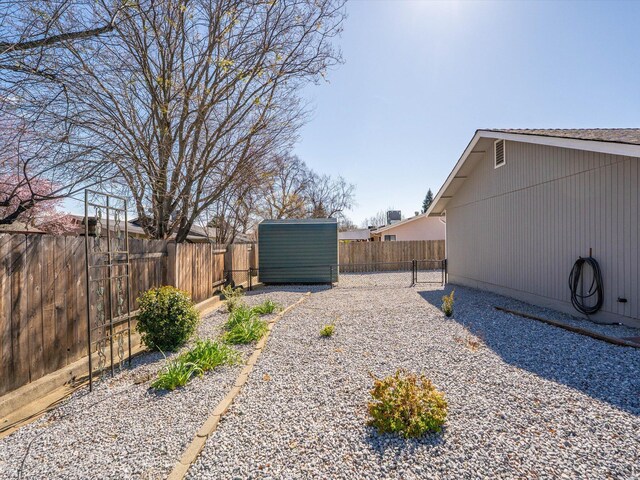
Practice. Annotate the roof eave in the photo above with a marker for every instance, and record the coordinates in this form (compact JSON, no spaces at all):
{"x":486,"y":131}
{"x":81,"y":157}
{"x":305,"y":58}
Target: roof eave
{"x":613,"y":148}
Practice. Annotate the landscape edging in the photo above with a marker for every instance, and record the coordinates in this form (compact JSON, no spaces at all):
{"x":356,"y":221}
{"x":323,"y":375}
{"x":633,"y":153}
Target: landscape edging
{"x":210,"y":425}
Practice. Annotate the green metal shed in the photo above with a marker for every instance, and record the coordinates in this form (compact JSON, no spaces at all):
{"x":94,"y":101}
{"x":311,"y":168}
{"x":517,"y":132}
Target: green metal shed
{"x":298,"y":250}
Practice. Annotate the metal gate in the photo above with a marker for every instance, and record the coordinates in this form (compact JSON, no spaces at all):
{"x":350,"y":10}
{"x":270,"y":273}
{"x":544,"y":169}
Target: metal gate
{"x":376,"y":275}
{"x":430,"y":271}
{"x":106,"y":246}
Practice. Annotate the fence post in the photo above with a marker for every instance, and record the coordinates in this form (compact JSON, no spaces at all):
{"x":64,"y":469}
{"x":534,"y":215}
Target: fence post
{"x":414,"y":272}
{"x":331,"y":275}
{"x":172,"y":265}
{"x":250,"y":275}
{"x":444,"y":271}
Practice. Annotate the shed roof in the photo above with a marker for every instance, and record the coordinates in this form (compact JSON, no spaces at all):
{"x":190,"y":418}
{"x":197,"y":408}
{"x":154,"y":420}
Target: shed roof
{"x":299,"y":221}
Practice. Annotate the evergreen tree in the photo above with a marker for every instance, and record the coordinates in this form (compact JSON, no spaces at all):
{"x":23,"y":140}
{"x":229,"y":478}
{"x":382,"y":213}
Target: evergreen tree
{"x":427,"y":201}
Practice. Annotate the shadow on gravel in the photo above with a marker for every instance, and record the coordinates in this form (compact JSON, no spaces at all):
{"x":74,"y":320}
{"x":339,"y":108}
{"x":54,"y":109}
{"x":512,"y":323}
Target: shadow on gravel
{"x":603,"y":371}
{"x":384,"y":444}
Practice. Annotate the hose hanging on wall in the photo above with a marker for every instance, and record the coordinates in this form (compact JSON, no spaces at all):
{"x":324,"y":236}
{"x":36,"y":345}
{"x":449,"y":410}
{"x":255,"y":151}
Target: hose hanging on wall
{"x":583,"y":301}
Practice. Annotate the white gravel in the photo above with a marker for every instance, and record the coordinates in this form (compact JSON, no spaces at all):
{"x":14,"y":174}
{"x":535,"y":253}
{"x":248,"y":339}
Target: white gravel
{"x":123,"y":429}
{"x":533,"y":401}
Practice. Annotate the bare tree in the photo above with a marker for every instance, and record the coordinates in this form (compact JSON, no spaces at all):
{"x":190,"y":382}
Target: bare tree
{"x":329,"y":197}
{"x":346,"y":224}
{"x":182,"y":98}
{"x":37,"y":163}
{"x":295,"y":191}
{"x":377,"y":220}
{"x":36,"y":167}
{"x":34,"y":33}
{"x":285,"y":192}
{"x":234,"y":212}
{"x":34,"y":26}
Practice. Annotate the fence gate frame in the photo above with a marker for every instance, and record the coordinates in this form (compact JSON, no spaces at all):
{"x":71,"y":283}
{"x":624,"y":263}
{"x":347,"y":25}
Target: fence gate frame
{"x":440,"y":265}
{"x":111,"y":266}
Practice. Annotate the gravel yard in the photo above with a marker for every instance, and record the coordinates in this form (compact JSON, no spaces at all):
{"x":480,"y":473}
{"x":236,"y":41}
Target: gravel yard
{"x":123,"y":429}
{"x":526,"y":400}
{"x":530,"y":401}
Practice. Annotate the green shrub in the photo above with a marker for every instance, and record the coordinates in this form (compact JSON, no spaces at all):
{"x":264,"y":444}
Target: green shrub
{"x":204,"y":356}
{"x":243,"y":324}
{"x":246,"y":331}
{"x":266,"y":307}
{"x":406,"y":404}
{"x":233,"y":297}
{"x":447,"y":304}
{"x":207,"y":355}
{"x":239,"y":314}
{"x":176,"y":373}
{"x":167,"y":318}
{"x":327,"y":330}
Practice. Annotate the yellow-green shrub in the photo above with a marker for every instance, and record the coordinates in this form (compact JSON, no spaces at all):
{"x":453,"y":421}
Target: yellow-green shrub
{"x":233,"y":297}
{"x":406,"y":404}
{"x":327,"y":330}
{"x":447,"y":304}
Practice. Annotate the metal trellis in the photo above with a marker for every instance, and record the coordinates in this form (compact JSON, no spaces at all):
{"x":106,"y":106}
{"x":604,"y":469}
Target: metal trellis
{"x":107,"y":269}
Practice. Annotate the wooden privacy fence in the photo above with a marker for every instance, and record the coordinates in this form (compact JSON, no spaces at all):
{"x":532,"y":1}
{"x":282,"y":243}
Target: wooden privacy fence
{"x":197,"y":268}
{"x":389,"y":256}
{"x":43,"y":320}
{"x":237,"y":262}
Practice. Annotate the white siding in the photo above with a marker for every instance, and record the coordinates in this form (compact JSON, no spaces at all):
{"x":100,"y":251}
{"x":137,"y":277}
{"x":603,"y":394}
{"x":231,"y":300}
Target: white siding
{"x":518,"y":229}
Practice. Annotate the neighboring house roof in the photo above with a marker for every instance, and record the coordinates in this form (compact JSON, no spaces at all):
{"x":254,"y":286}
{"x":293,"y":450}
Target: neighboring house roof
{"x":359,"y":234}
{"x":245,"y":238}
{"x":615,"y":141}
{"x":197,"y":234}
{"x":19,"y":227}
{"x":397,"y":224}
{"x":132,"y":228}
{"x":209,"y":232}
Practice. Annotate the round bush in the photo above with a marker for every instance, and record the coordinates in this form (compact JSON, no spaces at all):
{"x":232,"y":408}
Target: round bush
{"x":406,"y":404}
{"x":167,"y":318}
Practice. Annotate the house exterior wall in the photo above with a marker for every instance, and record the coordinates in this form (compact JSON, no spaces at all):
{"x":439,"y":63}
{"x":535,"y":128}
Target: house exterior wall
{"x":518,"y":229}
{"x":425,"y":228}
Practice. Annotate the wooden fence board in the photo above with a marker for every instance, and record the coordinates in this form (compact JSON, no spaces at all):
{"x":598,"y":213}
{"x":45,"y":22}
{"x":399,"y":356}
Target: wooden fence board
{"x":48,"y":301}
{"x":19,"y":323}
{"x":60,"y":353}
{"x":34,"y":306}
{"x":6,"y":343}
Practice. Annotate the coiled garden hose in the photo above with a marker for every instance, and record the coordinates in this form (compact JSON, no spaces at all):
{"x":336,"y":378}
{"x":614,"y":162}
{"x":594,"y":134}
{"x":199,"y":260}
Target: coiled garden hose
{"x":588,"y":301}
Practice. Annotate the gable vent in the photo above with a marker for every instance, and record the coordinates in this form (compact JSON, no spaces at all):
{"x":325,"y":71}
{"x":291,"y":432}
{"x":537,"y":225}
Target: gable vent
{"x":500,"y":160}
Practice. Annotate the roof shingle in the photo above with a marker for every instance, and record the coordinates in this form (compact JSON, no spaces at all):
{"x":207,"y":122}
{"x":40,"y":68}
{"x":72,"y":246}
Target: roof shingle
{"x":616,"y":135}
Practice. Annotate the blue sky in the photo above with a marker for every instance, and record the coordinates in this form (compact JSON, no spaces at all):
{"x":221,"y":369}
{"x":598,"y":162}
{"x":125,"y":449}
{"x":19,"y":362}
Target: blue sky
{"x":420,"y":77}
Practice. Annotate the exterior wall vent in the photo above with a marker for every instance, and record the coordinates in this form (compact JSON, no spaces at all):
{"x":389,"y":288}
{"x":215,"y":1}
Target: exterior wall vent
{"x":499,"y":154}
